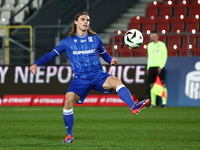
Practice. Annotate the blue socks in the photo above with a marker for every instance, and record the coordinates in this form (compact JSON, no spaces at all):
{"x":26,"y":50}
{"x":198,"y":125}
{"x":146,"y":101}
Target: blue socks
{"x":68,"y":117}
{"x":125,"y":95}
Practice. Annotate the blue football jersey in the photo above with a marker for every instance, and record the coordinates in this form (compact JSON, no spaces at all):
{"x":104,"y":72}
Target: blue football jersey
{"x":83,"y":54}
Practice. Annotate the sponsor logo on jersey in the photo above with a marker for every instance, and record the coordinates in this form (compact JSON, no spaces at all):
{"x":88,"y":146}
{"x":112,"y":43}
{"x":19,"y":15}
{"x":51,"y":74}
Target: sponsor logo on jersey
{"x":75,"y":40}
{"x":84,"y":52}
{"x":90,"y":39}
{"x":83,"y":41}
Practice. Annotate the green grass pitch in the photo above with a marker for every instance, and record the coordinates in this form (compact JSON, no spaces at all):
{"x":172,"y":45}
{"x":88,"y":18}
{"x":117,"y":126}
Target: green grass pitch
{"x":101,"y":128}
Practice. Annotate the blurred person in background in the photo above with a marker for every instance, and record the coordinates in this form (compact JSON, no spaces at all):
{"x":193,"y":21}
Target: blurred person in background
{"x":157,"y":58}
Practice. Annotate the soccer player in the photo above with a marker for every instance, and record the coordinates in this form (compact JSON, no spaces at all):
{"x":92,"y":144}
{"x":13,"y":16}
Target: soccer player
{"x":157,"y":57}
{"x":83,"y":47}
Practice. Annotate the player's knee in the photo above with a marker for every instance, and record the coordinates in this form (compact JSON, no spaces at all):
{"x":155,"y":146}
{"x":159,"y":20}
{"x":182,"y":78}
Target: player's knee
{"x":68,"y":101}
{"x":117,"y":82}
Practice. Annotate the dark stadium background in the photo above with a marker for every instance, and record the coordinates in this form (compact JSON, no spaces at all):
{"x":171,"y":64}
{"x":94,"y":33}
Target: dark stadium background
{"x":43,"y":26}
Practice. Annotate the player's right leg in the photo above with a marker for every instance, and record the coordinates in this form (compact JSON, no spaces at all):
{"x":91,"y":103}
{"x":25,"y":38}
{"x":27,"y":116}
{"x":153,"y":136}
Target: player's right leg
{"x":70,"y":99}
{"x":114,"y":83}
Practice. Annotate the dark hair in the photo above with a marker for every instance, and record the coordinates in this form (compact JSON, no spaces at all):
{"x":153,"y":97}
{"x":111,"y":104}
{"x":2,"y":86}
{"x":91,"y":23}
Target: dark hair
{"x":154,"y":31}
{"x":73,"y":31}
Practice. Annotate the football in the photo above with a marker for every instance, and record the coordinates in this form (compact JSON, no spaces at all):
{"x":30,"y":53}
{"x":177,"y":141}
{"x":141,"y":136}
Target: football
{"x":133,"y":38}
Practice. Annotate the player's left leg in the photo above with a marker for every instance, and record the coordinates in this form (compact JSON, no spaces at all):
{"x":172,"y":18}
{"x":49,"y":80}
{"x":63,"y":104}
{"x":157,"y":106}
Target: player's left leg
{"x":114,"y":83}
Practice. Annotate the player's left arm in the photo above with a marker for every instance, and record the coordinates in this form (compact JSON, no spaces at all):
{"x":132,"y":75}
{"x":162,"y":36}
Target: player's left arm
{"x":109,"y":59}
{"x":104,"y":54}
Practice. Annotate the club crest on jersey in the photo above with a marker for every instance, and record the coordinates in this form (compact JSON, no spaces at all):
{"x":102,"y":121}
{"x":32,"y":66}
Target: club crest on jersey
{"x":75,"y":40}
{"x":90,"y":39}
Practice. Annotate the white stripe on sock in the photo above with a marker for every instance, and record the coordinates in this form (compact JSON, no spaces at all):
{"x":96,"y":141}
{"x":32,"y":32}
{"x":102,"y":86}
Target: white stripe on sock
{"x":119,"y":87}
{"x":67,"y":112}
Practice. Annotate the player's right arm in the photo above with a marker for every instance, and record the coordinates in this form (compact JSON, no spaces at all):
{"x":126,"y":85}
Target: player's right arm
{"x":33,"y":68}
{"x":44,"y":59}
{"x":47,"y":57}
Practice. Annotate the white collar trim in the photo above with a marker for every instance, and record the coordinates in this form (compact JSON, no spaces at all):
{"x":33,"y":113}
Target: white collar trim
{"x":81,"y":36}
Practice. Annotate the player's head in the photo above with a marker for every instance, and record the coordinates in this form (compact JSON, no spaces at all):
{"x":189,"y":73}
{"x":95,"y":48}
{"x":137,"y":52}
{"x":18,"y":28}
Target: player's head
{"x":81,"y":22}
{"x":154,"y":36}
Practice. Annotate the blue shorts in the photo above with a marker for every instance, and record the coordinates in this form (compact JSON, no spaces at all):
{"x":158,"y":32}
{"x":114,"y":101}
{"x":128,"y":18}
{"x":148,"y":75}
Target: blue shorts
{"x":83,"y":86}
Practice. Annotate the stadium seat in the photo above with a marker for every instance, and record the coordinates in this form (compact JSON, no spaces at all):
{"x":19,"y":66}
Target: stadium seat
{"x":195,"y":3}
{"x":166,"y":11}
{"x":12,"y":2}
{"x":194,"y":13}
{"x":180,"y":11}
{"x":150,"y":24}
{"x":167,"y":8}
{"x":35,"y":4}
{"x":21,"y":4}
{"x":172,"y":50}
{"x":183,"y":51}
{"x":174,"y":44}
{"x":18,"y":7}
{"x":127,"y":52}
{"x":169,"y":3}
{"x":109,"y":49}
{"x":163,"y":38}
{"x":195,"y":50}
{"x":5,"y":17}
{"x":193,"y":26}
{"x":179,"y":23}
{"x":8,"y":7}
{"x":164,"y":24}
{"x":174,"y":39}
{"x":182,"y":8}
{"x":178,"y":27}
{"x":183,"y":3}
{"x":192,"y":46}
{"x":153,"y":9}
{"x":19,"y":18}
{"x":136,"y":22}
{"x":142,"y":50}
{"x":6,"y":14}
{"x":120,"y":35}
{"x":118,"y":50}
{"x":4,"y":21}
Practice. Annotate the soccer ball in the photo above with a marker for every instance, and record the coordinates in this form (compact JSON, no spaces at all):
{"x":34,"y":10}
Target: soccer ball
{"x":133,"y":38}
